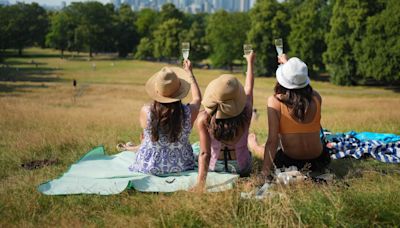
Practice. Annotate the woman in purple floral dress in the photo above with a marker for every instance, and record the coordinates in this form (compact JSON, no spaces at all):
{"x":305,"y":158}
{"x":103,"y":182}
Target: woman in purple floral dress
{"x":167,"y":123}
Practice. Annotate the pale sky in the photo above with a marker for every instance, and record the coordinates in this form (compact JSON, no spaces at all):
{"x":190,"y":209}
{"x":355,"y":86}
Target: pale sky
{"x":53,"y":2}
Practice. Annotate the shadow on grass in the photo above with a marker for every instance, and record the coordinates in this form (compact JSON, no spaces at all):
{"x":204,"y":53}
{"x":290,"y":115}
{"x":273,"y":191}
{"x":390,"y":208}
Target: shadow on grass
{"x":354,"y":168}
{"x":8,"y":88}
{"x":342,"y":167}
{"x":101,"y":57}
{"x":395,"y":89}
{"x":27,"y":71}
{"x":25,"y":55}
{"x":31,"y":63}
{"x":28,"y":74}
{"x":71,"y":56}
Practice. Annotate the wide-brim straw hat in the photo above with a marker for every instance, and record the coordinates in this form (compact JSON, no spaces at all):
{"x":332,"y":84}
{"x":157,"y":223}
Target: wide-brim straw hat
{"x":224,"y":97}
{"x":168,"y":85}
{"x":293,"y":74}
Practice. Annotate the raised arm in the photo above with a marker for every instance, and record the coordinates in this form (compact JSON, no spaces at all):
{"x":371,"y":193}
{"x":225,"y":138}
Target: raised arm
{"x":249,"y":83}
{"x":273,"y":136}
{"x":196,"y":94}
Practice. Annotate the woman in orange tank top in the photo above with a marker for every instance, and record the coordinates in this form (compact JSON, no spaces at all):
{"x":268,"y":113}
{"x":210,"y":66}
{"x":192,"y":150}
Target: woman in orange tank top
{"x":294,"y":114}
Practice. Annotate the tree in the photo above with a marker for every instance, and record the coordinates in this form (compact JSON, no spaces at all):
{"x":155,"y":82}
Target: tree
{"x":146,"y":22}
{"x":39,"y":24}
{"x":269,"y":20}
{"x":380,"y":47}
{"x":169,"y":11}
{"x":196,"y":37}
{"x":226,"y":34}
{"x":166,"y":39}
{"x":144,"y":49}
{"x":309,"y":24}
{"x":5,"y":14}
{"x":126,"y":36}
{"x":348,"y":24}
{"x":27,"y":24}
{"x":93,"y":25}
{"x":58,"y":35}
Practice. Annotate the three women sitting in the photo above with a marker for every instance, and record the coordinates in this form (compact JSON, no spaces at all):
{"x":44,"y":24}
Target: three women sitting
{"x":294,"y":114}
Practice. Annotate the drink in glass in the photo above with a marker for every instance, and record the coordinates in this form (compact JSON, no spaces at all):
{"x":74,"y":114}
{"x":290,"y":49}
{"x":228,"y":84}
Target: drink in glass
{"x":247,"y":48}
{"x":279,"y":46}
{"x":185,"y":50}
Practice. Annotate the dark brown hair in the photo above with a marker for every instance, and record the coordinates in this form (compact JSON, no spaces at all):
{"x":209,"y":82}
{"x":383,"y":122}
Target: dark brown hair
{"x":166,"y":118}
{"x":228,"y":129}
{"x":297,"y":100}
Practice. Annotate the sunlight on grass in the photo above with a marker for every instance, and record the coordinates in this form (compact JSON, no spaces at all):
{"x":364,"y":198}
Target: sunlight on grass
{"x":43,"y":116}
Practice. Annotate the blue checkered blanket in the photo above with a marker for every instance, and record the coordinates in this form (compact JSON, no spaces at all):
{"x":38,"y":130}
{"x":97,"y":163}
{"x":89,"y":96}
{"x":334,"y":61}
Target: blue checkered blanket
{"x":345,"y":145}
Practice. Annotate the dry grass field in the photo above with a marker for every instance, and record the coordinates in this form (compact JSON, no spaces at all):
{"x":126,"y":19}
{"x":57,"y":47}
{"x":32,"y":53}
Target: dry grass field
{"x":43,"y":117}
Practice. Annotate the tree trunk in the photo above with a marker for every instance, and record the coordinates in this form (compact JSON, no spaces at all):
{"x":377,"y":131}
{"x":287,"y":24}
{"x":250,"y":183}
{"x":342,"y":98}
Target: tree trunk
{"x":20,"y":51}
{"x":62,"y":53}
{"x":90,"y":52}
{"x":231,"y":67}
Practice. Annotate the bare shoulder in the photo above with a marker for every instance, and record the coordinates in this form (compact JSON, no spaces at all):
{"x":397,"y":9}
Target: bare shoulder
{"x":202,"y":121}
{"x":145,"y":107}
{"x":143,"y":115}
{"x":273,"y":102}
{"x":203,"y":117}
{"x":317,"y":95}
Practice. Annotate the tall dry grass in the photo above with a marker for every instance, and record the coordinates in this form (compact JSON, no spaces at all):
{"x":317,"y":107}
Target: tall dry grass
{"x":41,"y":117}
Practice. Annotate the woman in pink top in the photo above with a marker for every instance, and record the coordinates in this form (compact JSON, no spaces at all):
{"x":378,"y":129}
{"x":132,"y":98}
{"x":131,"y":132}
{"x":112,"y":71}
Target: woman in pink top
{"x":224,"y":124}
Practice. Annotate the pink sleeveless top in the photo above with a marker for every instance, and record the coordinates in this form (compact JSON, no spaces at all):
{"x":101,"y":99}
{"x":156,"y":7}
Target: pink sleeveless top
{"x":243,"y":156}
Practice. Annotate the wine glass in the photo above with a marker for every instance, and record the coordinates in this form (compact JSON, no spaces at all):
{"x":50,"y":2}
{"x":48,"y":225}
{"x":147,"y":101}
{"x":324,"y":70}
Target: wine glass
{"x":247,"y":48}
{"x":185,"y":50}
{"x":279,"y":46}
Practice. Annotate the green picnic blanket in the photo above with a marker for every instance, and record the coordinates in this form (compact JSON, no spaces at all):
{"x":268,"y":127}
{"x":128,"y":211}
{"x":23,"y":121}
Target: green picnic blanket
{"x":99,"y":173}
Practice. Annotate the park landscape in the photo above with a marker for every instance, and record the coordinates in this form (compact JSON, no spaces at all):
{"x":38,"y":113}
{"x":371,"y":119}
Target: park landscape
{"x":352,"y":51}
{"x":42,"y":116}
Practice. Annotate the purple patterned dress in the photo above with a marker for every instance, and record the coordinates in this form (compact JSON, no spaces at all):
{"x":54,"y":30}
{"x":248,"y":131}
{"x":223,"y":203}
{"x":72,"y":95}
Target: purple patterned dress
{"x":162,"y":156}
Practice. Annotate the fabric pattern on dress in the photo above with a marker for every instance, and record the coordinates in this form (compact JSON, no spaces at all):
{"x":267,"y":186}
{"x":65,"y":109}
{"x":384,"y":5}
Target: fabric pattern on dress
{"x":162,"y":156}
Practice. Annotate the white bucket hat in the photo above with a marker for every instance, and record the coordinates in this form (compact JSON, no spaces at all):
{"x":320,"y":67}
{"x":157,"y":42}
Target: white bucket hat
{"x":293,"y":74}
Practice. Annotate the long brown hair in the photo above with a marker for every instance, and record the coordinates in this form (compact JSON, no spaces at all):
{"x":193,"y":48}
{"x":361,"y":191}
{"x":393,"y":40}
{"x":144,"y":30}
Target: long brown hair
{"x":228,"y":129}
{"x":297,"y":100}
{"x":166,"y":118}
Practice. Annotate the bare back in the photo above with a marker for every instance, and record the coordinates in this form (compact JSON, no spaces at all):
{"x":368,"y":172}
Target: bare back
{"x":302,"y":145}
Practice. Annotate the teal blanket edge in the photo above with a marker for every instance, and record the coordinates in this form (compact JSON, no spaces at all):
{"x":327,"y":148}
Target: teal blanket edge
{"x":99,"y":173}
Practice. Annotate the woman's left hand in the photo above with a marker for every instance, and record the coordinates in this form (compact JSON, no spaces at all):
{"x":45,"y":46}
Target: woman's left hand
{"x":250,"y":58}
{"x":187,"y":66}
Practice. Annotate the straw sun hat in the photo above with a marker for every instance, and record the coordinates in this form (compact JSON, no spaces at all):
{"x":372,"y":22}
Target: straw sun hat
{"x":293,"y":74}
{"x":225,"y":97}
{"x":168,"y":85}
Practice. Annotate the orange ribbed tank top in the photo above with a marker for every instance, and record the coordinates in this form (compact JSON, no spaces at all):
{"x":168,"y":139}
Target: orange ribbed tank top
{"x":288,"y":125}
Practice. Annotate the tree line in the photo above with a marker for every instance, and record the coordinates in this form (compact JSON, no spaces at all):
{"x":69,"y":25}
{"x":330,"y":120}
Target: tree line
{"x":355,"y":41}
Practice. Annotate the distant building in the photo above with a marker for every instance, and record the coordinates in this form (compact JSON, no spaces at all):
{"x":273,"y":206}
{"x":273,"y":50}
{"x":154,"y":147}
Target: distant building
{"x":117,"y":3}
{"x":4,"y":2}
{"x":63,"y":4}
{"x":244,"y":5}
{"x":190,"y":6}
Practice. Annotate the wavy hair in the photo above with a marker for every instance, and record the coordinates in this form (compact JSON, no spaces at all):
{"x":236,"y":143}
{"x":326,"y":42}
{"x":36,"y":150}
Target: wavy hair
{"x":228,"y":129}
{"x":166,"y":118}
{"x":297,"y":100}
